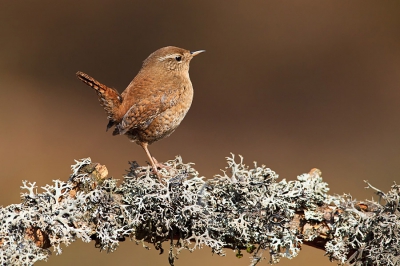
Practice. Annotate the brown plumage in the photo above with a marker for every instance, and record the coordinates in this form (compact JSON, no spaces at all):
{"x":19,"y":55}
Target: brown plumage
{"x":154,"y":103}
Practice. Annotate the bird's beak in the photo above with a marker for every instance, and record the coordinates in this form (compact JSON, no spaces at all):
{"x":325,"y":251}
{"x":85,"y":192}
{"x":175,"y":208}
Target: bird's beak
{"x":197,"y":52}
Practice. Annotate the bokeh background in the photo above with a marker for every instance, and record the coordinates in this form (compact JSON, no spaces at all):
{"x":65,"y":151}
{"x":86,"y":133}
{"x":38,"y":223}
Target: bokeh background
{"x":290,"y":84}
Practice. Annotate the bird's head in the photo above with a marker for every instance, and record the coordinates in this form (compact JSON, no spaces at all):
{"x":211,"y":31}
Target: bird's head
{"x":170,"y":58}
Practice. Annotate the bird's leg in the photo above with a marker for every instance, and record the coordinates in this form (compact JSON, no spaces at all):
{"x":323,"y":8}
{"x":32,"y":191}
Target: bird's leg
{"x":153,"y":164}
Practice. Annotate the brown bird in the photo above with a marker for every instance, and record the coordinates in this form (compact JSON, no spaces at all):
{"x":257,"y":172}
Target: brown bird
{"x":154,"y":103}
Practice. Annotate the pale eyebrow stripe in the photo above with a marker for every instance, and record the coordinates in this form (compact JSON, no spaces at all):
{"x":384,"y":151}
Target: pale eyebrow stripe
{"x":168,"y":56}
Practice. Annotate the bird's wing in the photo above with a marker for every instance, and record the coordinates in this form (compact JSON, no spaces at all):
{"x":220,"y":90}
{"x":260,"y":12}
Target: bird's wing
{"x":148,"y":104}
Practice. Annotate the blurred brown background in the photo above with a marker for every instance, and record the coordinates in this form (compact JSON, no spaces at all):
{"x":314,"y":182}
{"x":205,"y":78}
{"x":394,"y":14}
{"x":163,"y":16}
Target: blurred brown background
{"x":290,"y":84}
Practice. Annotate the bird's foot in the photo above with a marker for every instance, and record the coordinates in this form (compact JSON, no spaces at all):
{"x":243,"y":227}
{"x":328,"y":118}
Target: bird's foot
{"x":158,"y":174}
{"x":171,"y":171}
{"x":161,"y":165}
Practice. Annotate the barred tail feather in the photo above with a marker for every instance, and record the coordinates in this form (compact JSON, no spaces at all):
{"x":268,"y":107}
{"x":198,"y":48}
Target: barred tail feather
{"x":109,"y":98}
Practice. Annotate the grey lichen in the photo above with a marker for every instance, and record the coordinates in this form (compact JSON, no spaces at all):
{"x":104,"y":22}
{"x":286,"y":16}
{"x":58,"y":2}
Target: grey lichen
{"x":244,"y":209}
{"x":369,"y":229}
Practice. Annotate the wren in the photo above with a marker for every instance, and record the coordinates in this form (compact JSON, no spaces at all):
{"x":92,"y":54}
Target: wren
{"x":154,"y":103}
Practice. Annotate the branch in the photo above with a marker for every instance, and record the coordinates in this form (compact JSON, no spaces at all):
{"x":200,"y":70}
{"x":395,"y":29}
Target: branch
{"x":245,"y":209}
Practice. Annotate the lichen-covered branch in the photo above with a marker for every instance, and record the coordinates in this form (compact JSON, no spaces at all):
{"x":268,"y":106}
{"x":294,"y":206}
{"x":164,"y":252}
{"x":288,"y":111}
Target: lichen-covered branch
{"x":245,"y":209}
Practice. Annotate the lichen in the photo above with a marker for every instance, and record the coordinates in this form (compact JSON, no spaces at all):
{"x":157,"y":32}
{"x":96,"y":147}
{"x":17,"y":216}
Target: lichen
{"x":243,"y":209}
{"x":371,"y":231}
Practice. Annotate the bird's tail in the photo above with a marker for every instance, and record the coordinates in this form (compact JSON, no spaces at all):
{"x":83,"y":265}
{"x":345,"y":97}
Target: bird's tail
{"x":109,"y":98}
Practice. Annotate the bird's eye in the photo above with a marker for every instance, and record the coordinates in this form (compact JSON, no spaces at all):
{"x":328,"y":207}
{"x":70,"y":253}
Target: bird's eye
{"x":178,"y":58}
